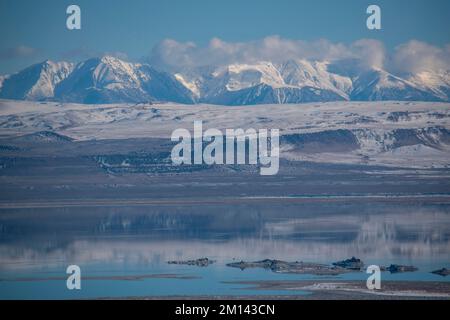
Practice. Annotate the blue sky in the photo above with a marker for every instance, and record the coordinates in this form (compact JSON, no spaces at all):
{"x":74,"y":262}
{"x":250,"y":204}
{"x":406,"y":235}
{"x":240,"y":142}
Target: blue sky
{"x":32,"y":31}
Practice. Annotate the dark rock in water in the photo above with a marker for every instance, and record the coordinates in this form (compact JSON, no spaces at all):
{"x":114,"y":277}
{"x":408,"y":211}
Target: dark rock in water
{"x":296,"y":267}
{"x":352,"y":264}
{"x":442,"y":272}
{"x":395,"y":268}
{"x":202,"y":262}
{"x":266,"y":264}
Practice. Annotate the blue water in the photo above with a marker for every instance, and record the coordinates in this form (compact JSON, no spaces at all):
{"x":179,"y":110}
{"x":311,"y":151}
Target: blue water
{"x":38,"y":244}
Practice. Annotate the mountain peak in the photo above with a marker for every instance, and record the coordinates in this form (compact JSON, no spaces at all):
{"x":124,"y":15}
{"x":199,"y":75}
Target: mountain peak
{"x":111,"y":59}
{"x":36,"y":82}
{"x":109,"y":79}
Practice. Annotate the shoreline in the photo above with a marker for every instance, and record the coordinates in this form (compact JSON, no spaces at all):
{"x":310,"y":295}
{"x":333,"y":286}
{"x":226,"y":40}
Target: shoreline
{"x":219,"y":200}
{"x":325,"y":290}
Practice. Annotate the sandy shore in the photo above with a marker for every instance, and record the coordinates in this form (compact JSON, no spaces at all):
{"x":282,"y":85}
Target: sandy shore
{"x":125,"y":202}
{"x":358,"y":289}
{"x":331,"y":290}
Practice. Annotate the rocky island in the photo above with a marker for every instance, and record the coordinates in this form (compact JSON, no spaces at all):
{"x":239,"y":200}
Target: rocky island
{"x":297,"y":267}
{"x":202,"y":262}
{"x":442,"y":272}
{"x":351,"y":264}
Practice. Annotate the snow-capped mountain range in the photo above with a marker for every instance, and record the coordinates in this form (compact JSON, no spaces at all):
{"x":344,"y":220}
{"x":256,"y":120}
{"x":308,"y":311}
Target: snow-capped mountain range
{"x":111,"y":80}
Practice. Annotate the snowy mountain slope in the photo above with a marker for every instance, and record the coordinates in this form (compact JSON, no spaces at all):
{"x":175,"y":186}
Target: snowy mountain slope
{"x":265,"y":82}
{"x":99,"y":79}
{"x":37,"y":82}
{"x":377,"y":84}
{"x":230,"y":84}
{"x":243,"y":76}
{"x":436,"y":82}
{"x":2,"y":79}
{"x":265,"y":94}
{"x":300,"y":81}
{"x":303,"y":73}
{"x":111,"y":80}
{"x":409,"y":134}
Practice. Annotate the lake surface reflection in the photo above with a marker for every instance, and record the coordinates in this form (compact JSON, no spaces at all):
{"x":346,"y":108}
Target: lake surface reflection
{"x":113,"y":243}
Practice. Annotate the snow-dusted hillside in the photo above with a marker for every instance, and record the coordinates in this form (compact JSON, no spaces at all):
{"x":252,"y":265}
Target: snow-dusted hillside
{"x":410,"y":134}
{"x":300,"y":81}
{"x":2,"y":79}
{"x":110,"y":80}
{"x":377,"y":84}
{"x":37,"y":82}
{"x":436,"y":82}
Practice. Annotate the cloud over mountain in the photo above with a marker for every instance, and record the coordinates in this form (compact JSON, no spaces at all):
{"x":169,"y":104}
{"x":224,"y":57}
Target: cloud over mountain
{"x":271,"y":70}
{"x":410,"y":57}
{"x":17,"y":52}
{"x":416,"y":56}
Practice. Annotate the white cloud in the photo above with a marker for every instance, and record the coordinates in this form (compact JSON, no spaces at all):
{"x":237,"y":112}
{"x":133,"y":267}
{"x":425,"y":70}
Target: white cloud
{"x":218,"y":52}
{"x":367,"y":53}
{"x":17,"y":52}
{"x":416,"y":56}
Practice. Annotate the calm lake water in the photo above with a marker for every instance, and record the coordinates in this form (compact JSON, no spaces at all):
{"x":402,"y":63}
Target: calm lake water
{"x":123,"y":251}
